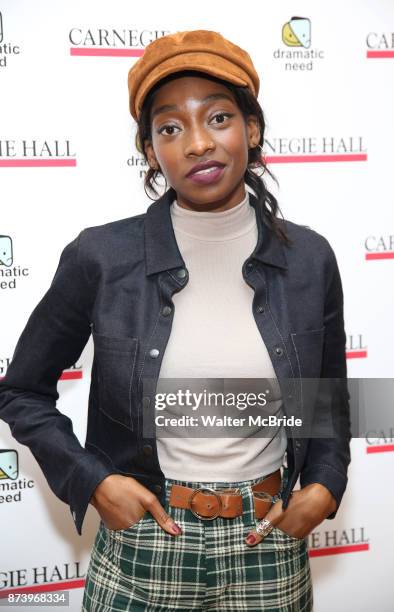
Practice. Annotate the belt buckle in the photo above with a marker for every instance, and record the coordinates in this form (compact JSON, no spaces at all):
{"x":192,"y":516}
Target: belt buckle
{"x":194,"y":493}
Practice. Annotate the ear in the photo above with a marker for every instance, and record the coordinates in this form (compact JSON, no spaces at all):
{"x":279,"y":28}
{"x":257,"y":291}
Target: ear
{"x":150,"y":154}
{"x":253,"y":131}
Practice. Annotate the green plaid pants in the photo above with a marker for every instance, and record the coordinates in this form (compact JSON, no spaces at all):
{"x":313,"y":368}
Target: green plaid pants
{"x":207,"y":567}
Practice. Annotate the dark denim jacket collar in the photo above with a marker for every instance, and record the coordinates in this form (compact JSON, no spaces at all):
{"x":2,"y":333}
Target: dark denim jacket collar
{"x":161,"y":249}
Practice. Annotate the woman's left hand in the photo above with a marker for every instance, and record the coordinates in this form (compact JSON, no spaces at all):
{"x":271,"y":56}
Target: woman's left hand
{"x":307,"y":508}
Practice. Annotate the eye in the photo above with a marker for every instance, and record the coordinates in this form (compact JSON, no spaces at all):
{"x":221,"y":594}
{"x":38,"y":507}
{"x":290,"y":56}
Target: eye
{"x":168,"y":126}
{"x":165,"y":127}
{"x":223,"y":115}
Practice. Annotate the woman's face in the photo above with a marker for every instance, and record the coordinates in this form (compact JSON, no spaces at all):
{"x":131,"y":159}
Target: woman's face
{"x":196,"y":120}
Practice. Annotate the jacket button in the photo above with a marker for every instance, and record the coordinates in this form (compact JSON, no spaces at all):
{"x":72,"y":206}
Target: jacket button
{"x":147,"y":449}
{"x":166,"y":311}
{"x":154,"y":353}
{"x":249,"y":265}
{"x":146,"y":401}
{"x":298,"y":445}
{"x":278,"y":351}
{"x":157,"y":488}
{"x":181,"y":273}
{"x":260,"y":309}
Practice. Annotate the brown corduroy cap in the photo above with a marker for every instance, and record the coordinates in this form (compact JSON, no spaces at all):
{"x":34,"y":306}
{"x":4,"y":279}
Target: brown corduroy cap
{"x":202,"y":50}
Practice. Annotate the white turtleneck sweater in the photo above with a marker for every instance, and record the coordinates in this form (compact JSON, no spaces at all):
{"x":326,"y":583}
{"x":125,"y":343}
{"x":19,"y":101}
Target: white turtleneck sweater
{"x":214,"y":335}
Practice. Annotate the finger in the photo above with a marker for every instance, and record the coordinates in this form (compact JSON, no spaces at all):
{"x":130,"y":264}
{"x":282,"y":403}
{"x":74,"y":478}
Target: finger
{"x":273,"y":515}
{"x":162,"y":517}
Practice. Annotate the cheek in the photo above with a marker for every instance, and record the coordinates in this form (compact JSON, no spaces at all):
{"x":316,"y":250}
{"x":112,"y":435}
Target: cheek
{"x":166,"y":156}
{"x":234,"y":142}
{"x":169,"y":163}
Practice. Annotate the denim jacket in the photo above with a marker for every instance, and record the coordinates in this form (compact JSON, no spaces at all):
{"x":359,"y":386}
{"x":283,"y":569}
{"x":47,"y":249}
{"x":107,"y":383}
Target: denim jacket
{"x":115,"y":282}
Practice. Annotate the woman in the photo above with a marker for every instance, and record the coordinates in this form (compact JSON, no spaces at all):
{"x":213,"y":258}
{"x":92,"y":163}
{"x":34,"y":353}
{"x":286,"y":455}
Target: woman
{"x":191,"y":522}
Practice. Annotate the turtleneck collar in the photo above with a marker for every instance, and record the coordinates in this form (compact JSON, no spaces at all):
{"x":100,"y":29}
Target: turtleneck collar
{"x":214,"y":226}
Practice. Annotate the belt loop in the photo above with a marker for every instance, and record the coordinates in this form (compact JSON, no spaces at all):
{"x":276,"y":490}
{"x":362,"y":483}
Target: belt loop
{"x":248,"y":514}
{"x":168,"y":486}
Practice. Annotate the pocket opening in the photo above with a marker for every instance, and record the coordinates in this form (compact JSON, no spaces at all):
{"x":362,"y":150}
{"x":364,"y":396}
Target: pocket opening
{"x":114,"y":361}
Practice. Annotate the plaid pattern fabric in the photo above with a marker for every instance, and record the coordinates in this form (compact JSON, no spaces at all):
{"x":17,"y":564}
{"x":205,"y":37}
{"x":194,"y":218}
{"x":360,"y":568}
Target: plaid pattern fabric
{"x":207,"y":567}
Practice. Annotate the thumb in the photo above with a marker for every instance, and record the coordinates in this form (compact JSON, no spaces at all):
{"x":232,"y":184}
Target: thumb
{"x":273,"y":515}
{"x":163,"y":518}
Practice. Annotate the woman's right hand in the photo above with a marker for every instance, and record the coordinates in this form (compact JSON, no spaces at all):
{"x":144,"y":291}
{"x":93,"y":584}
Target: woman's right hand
{"x":122,"y":501}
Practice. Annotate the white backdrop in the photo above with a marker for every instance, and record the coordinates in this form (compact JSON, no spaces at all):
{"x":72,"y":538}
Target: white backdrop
{"x":67,"y":161}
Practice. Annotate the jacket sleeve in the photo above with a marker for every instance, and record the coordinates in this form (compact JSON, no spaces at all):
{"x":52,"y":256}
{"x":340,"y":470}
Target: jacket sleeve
{"x":328,"y":458}
{"x":52,"y":340}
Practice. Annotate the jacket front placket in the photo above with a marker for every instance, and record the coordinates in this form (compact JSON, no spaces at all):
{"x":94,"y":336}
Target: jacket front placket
{"x":169,"y":282}
{"x":270,"y":311}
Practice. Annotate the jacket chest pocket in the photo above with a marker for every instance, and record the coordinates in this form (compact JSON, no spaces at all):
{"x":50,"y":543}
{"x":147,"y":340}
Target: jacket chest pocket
{"x":115,"y":362}
{"x":308,"y":347}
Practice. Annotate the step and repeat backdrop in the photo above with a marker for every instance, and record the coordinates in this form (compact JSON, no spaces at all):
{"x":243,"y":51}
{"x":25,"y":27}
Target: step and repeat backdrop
{"x":68,"y":161}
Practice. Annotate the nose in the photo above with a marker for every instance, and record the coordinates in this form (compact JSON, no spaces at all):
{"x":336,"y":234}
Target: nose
{"x":199,"y":140}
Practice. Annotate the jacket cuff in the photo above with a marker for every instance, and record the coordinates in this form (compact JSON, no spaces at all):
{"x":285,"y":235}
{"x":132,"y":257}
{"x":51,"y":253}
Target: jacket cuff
{"x":88,"y":474}
{"x":329,"y":477}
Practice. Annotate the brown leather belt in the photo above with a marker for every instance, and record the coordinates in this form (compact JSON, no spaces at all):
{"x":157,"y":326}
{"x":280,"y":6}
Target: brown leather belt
{"x":207,"y":503}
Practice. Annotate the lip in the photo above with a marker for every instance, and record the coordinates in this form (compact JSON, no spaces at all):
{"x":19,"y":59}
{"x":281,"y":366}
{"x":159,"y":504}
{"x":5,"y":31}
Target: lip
{"x":204,"y":166}
{"x":207,"y":179}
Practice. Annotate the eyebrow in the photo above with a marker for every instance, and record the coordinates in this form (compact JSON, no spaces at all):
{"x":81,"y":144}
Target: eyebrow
{"x":170,"y":107}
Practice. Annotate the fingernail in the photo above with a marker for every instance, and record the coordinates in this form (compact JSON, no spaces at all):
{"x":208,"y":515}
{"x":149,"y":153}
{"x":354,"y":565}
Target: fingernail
{"x":251,"y":539}
{"x":176,"y":529}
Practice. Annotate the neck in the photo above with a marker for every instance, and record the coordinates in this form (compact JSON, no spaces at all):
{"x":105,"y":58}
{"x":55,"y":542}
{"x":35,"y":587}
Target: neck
{"x":214,"y":226}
